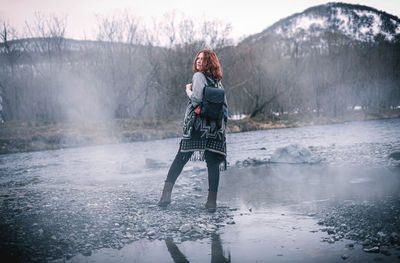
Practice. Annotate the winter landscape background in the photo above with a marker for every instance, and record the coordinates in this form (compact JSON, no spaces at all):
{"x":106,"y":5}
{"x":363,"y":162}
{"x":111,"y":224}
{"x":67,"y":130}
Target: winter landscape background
{"x":325,"y":188}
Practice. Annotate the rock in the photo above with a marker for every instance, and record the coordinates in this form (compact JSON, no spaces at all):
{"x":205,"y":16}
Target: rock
{"x":345,"y":256}
{"x":197,"y":188}
{"x":366,"y":242}
{"x":331,"y":231}
{"x":198,"y":229}
{"x":381,"y":235}
{"x":350,"y":245}
{"x":395,"y":155}
{"x":185,"y":228}
{"x":372,"y":250}
{"x":292,"y":154}
{"x":385,"y":251}
{"x":192,"y":233}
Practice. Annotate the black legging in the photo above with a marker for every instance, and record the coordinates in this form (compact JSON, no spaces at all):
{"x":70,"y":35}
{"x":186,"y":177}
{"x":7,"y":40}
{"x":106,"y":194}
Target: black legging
{"x":212,"y":159}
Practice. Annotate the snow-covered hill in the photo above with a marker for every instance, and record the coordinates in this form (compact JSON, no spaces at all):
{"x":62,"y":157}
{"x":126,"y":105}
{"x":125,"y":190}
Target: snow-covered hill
{"x":356,"y":22}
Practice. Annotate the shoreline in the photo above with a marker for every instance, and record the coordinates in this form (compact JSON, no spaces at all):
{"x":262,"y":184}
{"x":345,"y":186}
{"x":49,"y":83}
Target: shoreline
{"x":99,"y":204}
{"x":284,"y":213}
{"x":19,"y":136}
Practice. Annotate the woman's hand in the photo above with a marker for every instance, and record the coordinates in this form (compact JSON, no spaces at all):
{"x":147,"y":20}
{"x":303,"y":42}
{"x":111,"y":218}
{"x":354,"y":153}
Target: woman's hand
{"x":189,"y":89}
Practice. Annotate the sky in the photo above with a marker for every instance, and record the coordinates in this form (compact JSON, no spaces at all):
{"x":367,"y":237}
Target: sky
{"x":246,"y":17}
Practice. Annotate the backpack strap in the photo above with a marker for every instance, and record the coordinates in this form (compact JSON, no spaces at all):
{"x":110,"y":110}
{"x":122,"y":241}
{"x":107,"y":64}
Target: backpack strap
{"x":208,"y":79}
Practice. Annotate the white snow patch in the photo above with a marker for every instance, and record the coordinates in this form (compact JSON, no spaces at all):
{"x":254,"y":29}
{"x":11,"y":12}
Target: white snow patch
{"x":344,"y":27}
{"x":375,"y":28}
{"x":364,"y":30}
{"x":397,"y":26}
{"x":360,"y":12}
{"x":237,"y":116}
{"x":305,"y":22}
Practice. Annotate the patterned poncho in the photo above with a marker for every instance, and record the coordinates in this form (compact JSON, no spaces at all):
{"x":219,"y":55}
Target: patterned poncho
{"x":200,"y":134}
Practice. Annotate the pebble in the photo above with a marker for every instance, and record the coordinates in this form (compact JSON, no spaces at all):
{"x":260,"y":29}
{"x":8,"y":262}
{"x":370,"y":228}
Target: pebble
{"x":362,"y":222}
{"x":350,"y":245}
{"x":381,"y":234}
{"x":197,"y":229}
{"x":116,"y":216}
{"x":185,"y":228}
{"x":372,"y":250}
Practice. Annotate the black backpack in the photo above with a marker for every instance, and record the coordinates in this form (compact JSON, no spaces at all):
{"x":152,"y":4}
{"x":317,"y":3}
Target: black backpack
{"x":213,"y":101}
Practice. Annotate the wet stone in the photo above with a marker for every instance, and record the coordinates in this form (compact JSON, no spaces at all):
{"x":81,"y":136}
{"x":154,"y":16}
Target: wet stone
{"x":197,"y":230}
{"x":372,"y":250}
{"x":81,"y":220}
{"x":350,"y":245}
{"x":185,"y":228}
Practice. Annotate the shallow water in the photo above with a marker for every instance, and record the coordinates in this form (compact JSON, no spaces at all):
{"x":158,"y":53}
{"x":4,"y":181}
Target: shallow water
{"x":95,"y":204}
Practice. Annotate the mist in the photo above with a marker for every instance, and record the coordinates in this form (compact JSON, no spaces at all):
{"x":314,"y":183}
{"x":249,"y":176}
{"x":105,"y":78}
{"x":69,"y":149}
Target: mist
{"x":128,"y":86}
{"x":137,"y":72}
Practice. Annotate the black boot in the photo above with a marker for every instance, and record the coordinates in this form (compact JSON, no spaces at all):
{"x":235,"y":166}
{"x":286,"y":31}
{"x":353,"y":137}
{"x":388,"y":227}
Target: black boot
{"x":211,"y":204}
{"x":166,"y":195}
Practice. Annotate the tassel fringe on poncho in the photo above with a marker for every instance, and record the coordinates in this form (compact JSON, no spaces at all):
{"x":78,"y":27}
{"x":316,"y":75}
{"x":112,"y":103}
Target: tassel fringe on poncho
{"x":201,"y":134}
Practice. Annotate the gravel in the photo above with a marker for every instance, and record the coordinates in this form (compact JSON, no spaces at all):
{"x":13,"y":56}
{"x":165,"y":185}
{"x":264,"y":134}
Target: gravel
{"x":375,"y":224}
{"x":43,"y":222}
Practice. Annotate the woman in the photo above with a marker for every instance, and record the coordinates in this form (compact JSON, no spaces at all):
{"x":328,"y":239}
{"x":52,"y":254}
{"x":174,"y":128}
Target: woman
{"x":201,"y":135}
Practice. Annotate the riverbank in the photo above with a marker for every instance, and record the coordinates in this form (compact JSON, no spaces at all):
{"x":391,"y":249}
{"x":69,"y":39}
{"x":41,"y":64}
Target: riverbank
{"x":266,"y":213}
{"x":98,"y":204}
{"x":39,"y":136}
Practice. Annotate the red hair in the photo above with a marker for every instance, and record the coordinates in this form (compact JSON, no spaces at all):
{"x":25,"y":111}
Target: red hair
{"x":210,"y":63}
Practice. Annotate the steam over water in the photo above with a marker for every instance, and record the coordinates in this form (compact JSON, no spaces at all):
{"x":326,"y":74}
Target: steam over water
{"x":57,"y":204}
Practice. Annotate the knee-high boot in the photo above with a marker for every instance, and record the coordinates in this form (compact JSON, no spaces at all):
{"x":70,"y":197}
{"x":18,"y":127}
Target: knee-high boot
{"x":166,"y":194}
{"x":211,"y":204}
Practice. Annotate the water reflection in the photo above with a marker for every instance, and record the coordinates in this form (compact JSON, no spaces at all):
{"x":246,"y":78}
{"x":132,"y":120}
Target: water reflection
{"x":217,"y":252}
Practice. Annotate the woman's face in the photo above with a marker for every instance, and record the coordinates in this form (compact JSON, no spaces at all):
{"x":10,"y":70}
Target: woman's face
{"x":199,"y":61}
